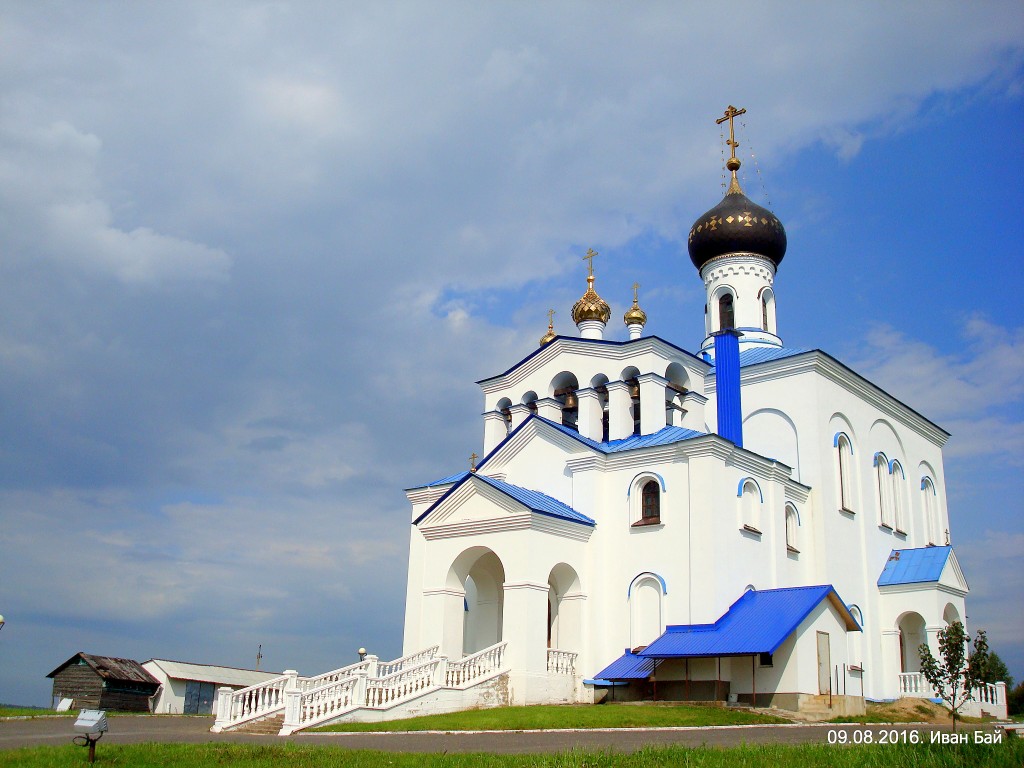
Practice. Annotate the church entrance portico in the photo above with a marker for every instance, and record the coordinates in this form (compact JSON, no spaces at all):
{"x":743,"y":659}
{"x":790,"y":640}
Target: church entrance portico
{"x":474,"y":612}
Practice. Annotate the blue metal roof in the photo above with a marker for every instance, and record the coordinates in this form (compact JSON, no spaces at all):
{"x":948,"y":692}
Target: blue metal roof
{"x":664,"y":436}
{"x":765,"y":354}
{"x":445,"y":480}
{"x":759,"y":622}
{"x":629,"y":666}
{"x":914,"y":566}
{"x":536,"y":501}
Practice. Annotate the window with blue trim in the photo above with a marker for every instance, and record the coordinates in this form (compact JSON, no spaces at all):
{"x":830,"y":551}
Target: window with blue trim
{"x":844,"y":482}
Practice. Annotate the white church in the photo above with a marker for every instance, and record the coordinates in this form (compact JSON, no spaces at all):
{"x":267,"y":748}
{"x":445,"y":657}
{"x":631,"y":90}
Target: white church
{"x":749,"y":522}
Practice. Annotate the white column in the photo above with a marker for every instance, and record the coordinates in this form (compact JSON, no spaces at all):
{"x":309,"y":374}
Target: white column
{"x":444,"y":615}
{"x":652,"y":402}
{"x":636,"y":330}
{"x":525,"y":630}
{"x":890,"y":664}
{"x":694,"y":403}
{"x":520,"y":413}
{"x":589,"y":418}
{"x":495,"y":430}
{"x":620,"y":417}
{"x":550,"y":409}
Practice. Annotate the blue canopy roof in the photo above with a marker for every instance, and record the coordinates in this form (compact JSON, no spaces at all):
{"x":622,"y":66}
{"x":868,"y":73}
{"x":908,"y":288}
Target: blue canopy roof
{"x":759,"y":622}
{"x":914,"y":566}
{"x":629,"y":666}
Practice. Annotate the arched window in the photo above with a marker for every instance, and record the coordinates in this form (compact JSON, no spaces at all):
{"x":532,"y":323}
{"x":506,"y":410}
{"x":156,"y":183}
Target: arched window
{"x":884,"y":483}
{"x":929,"y":503}
{"x":726,"y":316}
{"x":650,"y":502}
{"x":645,"y":499}
{"x":844,"y":452}
{"x":792,"y":524}
{"x":750,"y":506}
{"x":764,"y":313}
{"x":898,"y":503}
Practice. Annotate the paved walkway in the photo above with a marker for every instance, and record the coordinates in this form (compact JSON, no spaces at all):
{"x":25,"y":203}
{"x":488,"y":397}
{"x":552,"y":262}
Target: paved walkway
{"x":16,"y":733}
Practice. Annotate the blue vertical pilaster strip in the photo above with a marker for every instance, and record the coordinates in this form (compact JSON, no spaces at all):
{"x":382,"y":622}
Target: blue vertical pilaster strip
{"x":727,"y":378}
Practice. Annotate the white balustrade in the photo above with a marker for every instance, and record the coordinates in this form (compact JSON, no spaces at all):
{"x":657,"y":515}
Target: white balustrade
{"x":561,"y":662}
{"x":390,"y":667}
{"x":475,"y":666}
{"x":335,"y":675}
{"x":914,"y":685}
{"x":389,"y":690}
{"x":259,"y":700}
{"x":308,"y":701}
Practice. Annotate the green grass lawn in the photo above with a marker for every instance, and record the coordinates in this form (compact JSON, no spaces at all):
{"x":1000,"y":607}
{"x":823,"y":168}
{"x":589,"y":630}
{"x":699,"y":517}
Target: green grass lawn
{"x":567,"y":716}
{"x":6,"y":711}
{"x":1009,"y":754}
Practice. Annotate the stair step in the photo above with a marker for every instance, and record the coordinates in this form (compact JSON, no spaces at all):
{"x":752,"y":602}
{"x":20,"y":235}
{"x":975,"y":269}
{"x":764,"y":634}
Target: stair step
{"x":268,"y":726}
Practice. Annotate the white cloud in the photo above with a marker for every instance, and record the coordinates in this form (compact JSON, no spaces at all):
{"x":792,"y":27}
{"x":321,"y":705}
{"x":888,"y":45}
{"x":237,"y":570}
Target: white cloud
{"x":973,"y":393}
{"x":50,"y":189}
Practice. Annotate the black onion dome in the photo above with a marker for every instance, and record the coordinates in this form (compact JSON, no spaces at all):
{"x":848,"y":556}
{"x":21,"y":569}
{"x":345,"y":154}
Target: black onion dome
{"x":736,"y":225}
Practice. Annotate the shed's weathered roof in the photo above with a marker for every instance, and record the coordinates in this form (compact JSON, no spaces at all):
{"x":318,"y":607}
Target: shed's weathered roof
{"x":111,"y":668}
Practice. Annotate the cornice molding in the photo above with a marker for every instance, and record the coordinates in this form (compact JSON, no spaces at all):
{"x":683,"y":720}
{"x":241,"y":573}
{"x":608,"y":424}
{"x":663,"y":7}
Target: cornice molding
{"x":613,"y":351}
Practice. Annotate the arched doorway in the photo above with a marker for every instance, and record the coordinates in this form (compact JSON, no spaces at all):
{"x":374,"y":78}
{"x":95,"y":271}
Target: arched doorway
{"x":912,"y":637}
{"x":564,"y":609}
{"x":479,"y":575}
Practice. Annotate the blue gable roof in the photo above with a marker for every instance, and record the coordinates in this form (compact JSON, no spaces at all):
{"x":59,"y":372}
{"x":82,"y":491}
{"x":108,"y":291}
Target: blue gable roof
{"x":535,"y":501}
{"x":759,"y":622}
{"x":914,"y":566}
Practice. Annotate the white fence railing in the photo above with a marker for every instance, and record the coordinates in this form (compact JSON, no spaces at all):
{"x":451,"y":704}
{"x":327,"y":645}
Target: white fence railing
{"x":561,"y":662}
{"x":475,"y":666}
{"x":390,"y":667}
{"x":256,"y":701}
{"x":335,"y":675}
{"x":309,"y":701}
{"x":990,"y":696}
{"x":384,"y":692}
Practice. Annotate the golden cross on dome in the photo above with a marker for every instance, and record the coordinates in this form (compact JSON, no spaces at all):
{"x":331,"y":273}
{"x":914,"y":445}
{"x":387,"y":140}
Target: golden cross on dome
{"x":591,"y":253}
{"x":730,"y":113}
{"x":551,"y":318}
{"x":472,"y":461}
{"x":636,"y":287}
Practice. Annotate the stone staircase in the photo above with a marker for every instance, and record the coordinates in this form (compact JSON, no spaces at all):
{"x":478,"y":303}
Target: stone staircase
{"x":270,"y":726}
{"x":371,"y":690}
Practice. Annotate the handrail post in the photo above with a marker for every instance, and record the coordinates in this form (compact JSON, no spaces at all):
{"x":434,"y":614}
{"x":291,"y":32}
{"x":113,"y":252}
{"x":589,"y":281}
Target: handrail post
{"x":441,"y":671}
{"x":371,"y":665}
{"x":224,"y":695}
{"x":360,"y":690}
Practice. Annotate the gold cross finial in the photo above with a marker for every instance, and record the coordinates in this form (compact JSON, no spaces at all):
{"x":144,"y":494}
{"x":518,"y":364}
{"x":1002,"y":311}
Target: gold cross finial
{"x":636,"y":287}
{"x":733,"y":164}
{"x":730,"y":113}
{"x":472,"y":461}
{"x":591,"y":253}
{"x":551,"y":319}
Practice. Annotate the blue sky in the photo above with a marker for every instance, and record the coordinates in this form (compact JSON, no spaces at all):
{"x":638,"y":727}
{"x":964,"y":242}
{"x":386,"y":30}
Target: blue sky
{"x":253,"y":257}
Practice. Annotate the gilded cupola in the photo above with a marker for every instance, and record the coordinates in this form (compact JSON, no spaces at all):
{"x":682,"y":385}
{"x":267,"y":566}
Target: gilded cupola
{"x":591,"y":306}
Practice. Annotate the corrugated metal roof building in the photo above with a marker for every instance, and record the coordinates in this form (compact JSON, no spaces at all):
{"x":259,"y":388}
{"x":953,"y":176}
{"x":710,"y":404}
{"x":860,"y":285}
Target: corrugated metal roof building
{"x":191,"y":689}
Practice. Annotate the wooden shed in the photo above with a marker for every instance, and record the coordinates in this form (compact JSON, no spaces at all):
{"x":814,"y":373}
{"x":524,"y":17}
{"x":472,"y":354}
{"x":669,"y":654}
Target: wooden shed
{"x":103,"y":682}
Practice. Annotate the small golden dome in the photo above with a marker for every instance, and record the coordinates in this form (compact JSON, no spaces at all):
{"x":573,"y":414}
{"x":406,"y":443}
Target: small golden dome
{"x":591,"y":306}
{"x":634,"y":315}
{"x":550,"y":335}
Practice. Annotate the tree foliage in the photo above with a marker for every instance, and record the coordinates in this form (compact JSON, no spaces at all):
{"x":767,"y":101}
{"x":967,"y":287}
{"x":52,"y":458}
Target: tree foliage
{"x":998,"y":671}
{"x":956,"y":673}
